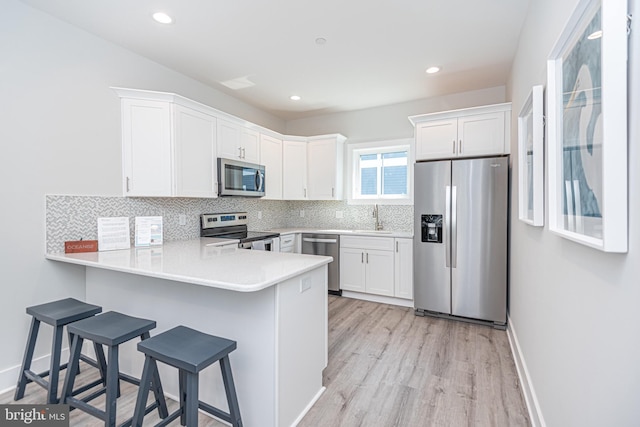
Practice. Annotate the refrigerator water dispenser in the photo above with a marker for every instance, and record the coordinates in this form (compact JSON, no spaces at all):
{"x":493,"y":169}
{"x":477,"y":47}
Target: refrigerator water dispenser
{"x":432,"y":228}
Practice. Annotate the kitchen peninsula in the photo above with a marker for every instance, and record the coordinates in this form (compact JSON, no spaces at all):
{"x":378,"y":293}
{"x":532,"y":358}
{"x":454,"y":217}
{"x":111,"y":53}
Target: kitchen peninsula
{"x":273,"y":304}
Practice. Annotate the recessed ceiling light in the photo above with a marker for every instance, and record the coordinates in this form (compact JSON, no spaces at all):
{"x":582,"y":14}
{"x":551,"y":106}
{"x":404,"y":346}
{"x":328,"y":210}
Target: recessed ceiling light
{"x":162,"y":18}
{"x":294,"y":98}
{"x":595,"y":35}
{"x":432,"y":70}
{"x":320,"y":41}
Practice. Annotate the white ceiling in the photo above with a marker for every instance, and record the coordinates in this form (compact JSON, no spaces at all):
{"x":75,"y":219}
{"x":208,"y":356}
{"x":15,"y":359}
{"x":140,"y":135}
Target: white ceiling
{"x":376,"y":51}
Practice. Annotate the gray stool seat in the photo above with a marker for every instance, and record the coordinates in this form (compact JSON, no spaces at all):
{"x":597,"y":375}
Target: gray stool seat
{"x":109,"y":329}
{"x":57,"y":314}
{"x":190,"y":351}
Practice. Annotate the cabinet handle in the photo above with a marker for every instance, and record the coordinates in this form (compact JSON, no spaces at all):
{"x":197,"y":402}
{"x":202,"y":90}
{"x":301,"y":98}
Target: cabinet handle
{"x":361,"y":257}
{"x":127,"y":184}
{"x":305,"y":192}
{"x":332,"y":192}
{"x":244,"y":153}
{"x":396,"y":246}
{"x":367,"y":257}
{"x":460,"y":147}
{"x":240,"y":152}
{"x":454,"y":146}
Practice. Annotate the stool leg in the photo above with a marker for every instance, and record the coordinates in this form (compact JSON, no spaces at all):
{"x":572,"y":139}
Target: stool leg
{"x":26,"y":361}
{"x":158,"y":393}
{"x":54,"y":370}
{"x":143,"y":392}
{"x":112,"y":386}
{"x":230,"y":389}
{"x":70,"y":339}
{"x":182,"y":386}
{"x":102,"y":362}
{"x":72,"y":366}
{"x":191,"y":392}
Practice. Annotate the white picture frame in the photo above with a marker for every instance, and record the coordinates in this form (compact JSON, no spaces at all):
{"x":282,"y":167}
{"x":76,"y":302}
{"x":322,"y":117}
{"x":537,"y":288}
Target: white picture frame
{"x":587,"y":123}
{"x":531,"y":158}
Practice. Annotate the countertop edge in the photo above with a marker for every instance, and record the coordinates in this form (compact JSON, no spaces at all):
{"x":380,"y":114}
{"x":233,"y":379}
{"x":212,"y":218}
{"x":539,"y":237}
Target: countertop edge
{"x":60,"y":257}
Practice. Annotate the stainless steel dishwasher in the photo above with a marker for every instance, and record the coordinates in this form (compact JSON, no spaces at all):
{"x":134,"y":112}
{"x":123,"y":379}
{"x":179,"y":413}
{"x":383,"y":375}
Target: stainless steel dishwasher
{"x":328,"y":245}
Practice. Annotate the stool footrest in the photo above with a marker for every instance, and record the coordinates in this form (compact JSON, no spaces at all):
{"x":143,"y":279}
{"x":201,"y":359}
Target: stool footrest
{"x":91,"y":410}
{"x":129,"y":379}
{"x":171,"y":417}
{"x":215,"y":411}
{"x":87,"y":360}
{"x":32,"y":377}
{"x":147,"y":410}
{"x":86,"y":387}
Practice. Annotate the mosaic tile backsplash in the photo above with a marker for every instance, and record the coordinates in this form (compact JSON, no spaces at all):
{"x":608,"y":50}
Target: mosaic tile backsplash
{"x":75,"y":217}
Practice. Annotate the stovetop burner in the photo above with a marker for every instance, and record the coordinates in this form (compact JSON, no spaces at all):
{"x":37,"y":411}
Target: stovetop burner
{"x":231,"y":226}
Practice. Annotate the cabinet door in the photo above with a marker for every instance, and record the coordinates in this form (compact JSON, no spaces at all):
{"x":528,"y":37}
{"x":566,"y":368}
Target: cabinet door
{"x":146,"y":148}
{"x":404,"y":268}
{"x":436,"y":139}
{"x":271,"y":158}
{"x":294,"y":170}
{"x":323,"y":170}
{"x":379,"y":272}
{"x":480,"y":135}
{"x":250,"y":145}
{"x":195,"y":151}
{"x":352,"y":269}
{"x":228,"y":140}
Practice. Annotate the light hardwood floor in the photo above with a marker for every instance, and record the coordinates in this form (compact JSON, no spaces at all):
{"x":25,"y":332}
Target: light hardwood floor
{"x":388,"y":367}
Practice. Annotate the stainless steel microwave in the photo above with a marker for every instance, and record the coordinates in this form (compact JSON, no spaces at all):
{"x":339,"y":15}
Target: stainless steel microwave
{"x":240,"y":178}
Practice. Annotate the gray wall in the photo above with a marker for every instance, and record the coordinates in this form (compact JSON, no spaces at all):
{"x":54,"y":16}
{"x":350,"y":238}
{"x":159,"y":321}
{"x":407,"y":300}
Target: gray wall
{"x":60,"y":133}
{"x":573,"y":309}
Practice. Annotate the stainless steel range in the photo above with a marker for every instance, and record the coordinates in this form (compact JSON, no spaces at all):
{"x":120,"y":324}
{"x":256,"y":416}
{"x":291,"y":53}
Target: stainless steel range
{"x":234,"y":226}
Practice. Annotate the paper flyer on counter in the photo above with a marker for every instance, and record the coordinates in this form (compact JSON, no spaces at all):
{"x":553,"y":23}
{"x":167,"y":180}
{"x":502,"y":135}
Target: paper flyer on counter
{"x":148,"y":231}
{"x":113,"y":233}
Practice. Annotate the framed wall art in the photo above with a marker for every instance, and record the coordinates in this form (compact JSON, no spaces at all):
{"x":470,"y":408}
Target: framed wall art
{"x":531,"y":158}
{"x":587,"y":122}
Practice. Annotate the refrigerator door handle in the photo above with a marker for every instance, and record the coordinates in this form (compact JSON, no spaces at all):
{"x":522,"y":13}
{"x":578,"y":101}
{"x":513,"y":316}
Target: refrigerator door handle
{"x":447,"y":228}
{"x":454,"y":227}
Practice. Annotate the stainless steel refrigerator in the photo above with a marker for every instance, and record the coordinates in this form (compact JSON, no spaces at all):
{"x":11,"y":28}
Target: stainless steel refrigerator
{"x":460,"y":239}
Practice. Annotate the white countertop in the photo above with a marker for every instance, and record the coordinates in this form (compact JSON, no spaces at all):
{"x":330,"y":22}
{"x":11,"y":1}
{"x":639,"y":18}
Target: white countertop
{"x":381,"y":233}
{"x":202,"y":262}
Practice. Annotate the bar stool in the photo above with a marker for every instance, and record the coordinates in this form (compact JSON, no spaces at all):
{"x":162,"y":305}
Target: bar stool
{"x":57,"y":314}
{"x":190,"y":351}
{"x":110,"y":329}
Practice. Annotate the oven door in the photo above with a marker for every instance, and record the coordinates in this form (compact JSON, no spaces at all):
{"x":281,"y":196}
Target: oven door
{"x":260,"y":245}
{"x":240,"y":178}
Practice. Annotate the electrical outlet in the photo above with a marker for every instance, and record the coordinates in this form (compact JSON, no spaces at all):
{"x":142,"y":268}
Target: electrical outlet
{"x":182,"y":219}
{"x":339,"y":214}
{"x":301,"y":213}
{"x":259,"y":214}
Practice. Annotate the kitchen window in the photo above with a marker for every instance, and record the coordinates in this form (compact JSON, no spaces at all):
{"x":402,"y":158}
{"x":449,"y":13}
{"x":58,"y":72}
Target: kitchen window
{"x":380,"y":172}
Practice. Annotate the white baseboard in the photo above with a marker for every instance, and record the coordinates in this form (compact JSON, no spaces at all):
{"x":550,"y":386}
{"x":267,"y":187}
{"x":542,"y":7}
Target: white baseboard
{"x":9,"y":377}
{"x":308,"y":407}
{"x":531,"y":400}
{"x":378,"y":298}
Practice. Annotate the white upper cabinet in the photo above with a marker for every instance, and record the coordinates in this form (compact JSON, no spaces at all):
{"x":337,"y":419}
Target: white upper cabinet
{"x":471,"y":132}
{"x":271,"y":158}
{"x":294,"y":170}
{"x":237,"y":142}
{"x":147,"y":161}
{"x":167,"y":150}
{"x":325,"y":163}
{"x":195,"y":153}
{"x":170,"y":146}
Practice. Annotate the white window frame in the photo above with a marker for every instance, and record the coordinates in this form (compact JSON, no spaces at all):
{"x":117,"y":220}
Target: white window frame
{"x":387,"y":146}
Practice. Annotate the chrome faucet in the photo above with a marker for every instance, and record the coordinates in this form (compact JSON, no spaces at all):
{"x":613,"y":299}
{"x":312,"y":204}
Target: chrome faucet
{"x":375,"y":215}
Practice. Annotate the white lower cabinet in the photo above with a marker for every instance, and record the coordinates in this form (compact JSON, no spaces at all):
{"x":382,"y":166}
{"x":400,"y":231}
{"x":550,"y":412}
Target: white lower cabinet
{"x":367,"y":265}
{"x":404,"y":268}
